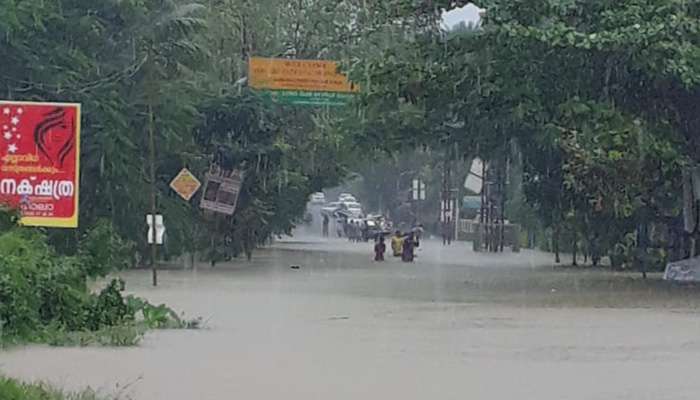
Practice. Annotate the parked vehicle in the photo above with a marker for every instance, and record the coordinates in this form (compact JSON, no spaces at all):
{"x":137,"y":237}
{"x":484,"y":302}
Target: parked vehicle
{"x":347,"y":198}
{"x":332,"y":208}
{"x":377,"y":225}
{"x":353,"y":208}
{"x":318,"y":198}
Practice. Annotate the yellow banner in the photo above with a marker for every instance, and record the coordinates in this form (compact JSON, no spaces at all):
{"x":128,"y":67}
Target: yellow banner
{"x":302,"y":75}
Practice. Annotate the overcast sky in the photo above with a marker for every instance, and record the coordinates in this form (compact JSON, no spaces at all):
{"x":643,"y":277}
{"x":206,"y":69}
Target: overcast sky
{"x":467,"y":13}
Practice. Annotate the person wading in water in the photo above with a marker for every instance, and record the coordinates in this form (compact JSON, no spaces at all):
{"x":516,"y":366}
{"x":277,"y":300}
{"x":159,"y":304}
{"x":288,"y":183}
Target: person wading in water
{"x":397,"y":244}
{"x":408,"y":247}
{"x":379,"y":249}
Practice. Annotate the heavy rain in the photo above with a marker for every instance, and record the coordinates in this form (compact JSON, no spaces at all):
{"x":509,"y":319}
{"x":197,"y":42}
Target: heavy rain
{"x":311,"y":199}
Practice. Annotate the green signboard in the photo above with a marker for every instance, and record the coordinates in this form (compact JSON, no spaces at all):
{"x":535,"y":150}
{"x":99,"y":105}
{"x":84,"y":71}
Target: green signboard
{"x":303,"y":98}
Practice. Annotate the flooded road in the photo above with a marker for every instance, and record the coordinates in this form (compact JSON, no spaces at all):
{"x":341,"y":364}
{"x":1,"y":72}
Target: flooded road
{"x":454,"y":325}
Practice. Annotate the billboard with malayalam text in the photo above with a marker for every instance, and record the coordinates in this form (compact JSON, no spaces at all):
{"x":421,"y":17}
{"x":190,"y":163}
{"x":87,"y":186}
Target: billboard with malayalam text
{"x":40,"y":161}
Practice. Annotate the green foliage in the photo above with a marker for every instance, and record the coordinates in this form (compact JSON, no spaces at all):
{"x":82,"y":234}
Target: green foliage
{"x":282,"y":166}
{"x":601,"y":98}
{"x":168,"y":66}
{"x":102,"y":250}
{"x":124,"y":335}
{"x":8,"y":219}
{"x":23,"y":265}
{"x":158,"y":317}
{"x":11,"y":389}
{"x":44,"y":296}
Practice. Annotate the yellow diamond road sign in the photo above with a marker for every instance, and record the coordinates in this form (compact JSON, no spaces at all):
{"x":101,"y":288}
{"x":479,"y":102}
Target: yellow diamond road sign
{"x":185,"y":184}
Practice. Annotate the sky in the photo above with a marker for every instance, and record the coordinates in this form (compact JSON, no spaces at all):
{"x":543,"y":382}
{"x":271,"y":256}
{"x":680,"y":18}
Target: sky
{"x":467,"y":13}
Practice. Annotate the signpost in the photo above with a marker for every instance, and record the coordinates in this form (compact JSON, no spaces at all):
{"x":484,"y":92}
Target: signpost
{"x":40,"y":161}
{"x":221,"y":191}
{"x":418,"y":195}
{"x":159,"y":234}
{"x":418,"y":189}
{"x":185,"y":184}
{"x":475,"y":181}
{"x":300,"y":82}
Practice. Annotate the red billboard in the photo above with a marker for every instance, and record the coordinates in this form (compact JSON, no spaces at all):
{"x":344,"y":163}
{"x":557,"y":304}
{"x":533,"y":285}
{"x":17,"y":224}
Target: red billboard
{"x":40,"y":161}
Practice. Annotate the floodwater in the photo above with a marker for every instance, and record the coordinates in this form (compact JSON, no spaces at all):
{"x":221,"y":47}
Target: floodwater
{"x":453,"y":325}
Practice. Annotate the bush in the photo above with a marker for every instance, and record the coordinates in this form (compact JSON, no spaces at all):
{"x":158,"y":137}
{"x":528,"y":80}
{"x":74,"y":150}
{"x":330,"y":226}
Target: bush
{"x":8,"y":218}
{"x":12,"y":390}
{"x":44,"y":296}
{"x":22,"y":262}
{"x":102,"y":250}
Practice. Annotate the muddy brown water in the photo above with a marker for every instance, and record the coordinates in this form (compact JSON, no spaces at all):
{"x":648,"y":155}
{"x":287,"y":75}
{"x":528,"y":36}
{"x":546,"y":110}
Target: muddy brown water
{"x":454,"y":325}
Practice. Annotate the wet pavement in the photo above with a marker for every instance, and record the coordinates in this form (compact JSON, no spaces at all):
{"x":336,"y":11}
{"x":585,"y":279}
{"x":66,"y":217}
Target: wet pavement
{"x":453,"y":325}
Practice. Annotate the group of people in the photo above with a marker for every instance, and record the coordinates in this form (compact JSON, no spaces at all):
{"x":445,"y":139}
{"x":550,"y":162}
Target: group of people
{"x":356,"y":231}
{"x":402,"y":245}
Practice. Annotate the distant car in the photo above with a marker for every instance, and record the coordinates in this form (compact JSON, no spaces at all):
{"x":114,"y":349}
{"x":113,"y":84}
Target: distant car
{"x":347,"y":198}
{"x":353,"y":208}
{"x":471,"y":206}
{"x":331,"y":208}
{"x":318,"y":198}
{"x":375,"y":226}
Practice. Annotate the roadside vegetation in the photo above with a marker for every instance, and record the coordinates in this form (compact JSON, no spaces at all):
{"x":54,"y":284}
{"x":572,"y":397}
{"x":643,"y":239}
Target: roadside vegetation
{"x":11,"y":389}
{"x":45,"y":296}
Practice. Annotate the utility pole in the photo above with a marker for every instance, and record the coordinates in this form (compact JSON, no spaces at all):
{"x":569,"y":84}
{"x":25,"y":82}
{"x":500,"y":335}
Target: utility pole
{"x":502,"y":198}
{"x":448,"y":199}
{"x":445,"y":193}
{"x":482,"y":211}
{"x":154,"y":206}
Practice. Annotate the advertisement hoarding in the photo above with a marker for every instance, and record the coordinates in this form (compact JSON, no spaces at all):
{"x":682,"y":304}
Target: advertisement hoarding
{"x":221,"y":191}
{"x":40,"y":161}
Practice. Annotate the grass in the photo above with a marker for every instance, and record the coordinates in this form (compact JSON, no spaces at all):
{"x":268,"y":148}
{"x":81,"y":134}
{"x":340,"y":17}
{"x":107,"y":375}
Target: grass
{"x":125,"y":335}
{"x":11,"y":389}
{"x":113,"y":336}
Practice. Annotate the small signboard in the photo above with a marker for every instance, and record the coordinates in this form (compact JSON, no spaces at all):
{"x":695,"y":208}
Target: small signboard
{"x":447,"y":210}
{"x":185,"y":184}
{"x":221,"y":191}
{"x":418,"y":189}
{"x":474,"y":181}
{"x":160,"y":228}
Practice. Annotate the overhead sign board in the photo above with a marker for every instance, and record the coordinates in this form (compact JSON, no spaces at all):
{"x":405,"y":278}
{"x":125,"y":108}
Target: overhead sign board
{"x":295,"y":97}
{"x":185,"y":184}
{"x":301,"y":75}
{"x":40,"y":161}
{"x":300,"y":82}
